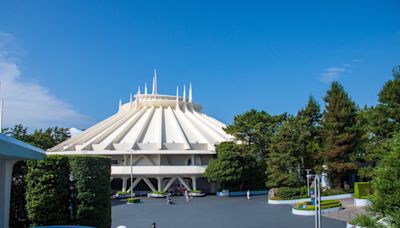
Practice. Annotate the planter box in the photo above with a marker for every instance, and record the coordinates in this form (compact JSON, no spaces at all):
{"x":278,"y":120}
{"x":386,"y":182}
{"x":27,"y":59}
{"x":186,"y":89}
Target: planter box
{"x":155,"y":195}
{"x":312,"y":212}
{"x":123,"y":196}
{"x":198,"y":194}
{"x":361,"y":202}
{"x":295,"y":201}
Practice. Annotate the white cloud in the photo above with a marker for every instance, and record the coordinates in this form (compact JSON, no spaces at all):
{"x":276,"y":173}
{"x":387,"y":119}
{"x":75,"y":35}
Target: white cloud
{"x":334,"y":73}
{"x":27,"y":102}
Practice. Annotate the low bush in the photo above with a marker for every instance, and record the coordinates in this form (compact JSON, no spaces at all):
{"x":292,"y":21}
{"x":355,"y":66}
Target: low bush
{"x":133,"y":200}
{"x":365,"y":221}
{"x":122,"y":193}
{"x":159,"y":193}
{"x":362,"y":190}
{"x":325,"y":204}
{"x":286,"y":193}
{"x":196,"y":191}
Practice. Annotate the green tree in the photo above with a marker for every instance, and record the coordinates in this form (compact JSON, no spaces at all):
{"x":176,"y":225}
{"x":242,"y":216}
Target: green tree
{"x":283,"y":162}
{"x":309,"y":121}
{"x":386,"y":184}
{"x":232,"y":167}
{"x":339,"y":127}
{"x":254,"y":129}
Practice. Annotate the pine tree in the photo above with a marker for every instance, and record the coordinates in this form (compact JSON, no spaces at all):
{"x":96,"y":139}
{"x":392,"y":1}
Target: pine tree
{"x":283,"y":162}
{"x":309,"y":120}
{"x":340,"y":133}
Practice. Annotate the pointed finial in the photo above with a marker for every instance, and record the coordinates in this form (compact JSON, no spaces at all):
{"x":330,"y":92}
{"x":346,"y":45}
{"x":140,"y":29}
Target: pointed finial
{"x":138,"y":90}
{"x":177,"y":97}
{"x":145,"y":88}
{"x":120,"y":102}
{"x":130,"y":98}
{"x":155,"y":80}
{"x":190,"y":93}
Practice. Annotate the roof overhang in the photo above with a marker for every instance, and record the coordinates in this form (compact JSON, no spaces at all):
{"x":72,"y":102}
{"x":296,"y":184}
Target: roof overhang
{"x":134,"y":152}
{"x":13,"y":149}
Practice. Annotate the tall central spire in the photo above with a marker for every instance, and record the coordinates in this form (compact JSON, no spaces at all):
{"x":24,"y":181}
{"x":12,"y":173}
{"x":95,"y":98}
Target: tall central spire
{"x":154,"y":89}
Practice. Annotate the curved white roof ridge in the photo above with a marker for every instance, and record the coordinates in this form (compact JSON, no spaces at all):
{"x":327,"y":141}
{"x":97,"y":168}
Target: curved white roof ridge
{"x":151,"y":122}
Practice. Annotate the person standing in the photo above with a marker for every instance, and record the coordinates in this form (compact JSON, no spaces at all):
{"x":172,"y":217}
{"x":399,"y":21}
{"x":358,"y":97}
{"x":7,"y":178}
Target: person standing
{"x":186,"y":195}
{"x":248,"y":194}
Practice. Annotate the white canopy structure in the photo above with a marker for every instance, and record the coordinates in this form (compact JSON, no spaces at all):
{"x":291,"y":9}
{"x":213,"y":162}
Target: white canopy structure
{"x":166,"y":139}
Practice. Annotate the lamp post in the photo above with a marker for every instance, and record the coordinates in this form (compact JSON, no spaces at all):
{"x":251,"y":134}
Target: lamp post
{"x":317,"y":198}
{"x":131,"y":175}
{"x":308,"y":181}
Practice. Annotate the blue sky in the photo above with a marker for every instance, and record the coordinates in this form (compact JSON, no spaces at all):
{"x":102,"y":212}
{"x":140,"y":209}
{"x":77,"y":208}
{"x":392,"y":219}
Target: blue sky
{"x":71,"y":61}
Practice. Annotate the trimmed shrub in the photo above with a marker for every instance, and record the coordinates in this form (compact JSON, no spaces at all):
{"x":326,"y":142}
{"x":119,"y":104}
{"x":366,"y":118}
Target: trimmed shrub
{"x":159,"y":193}
{"x":196,"y":191}
{"x":362,"y":190}
{"x":91,"y":181}
{"x":133,"y":200}
{"x":47,"y":191}
{"x":122,"y":193}
{"x":325,"y":204}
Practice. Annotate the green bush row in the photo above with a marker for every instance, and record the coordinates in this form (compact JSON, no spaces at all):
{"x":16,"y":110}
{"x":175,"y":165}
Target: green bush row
{"x":133,"y":200}
{"x":325,"y":204}
{"x":122,"y":193}
{"x":196,"y":191}
{"x":159,"y":193}
{"x":289,"y":193}
{"x":58,"y":182}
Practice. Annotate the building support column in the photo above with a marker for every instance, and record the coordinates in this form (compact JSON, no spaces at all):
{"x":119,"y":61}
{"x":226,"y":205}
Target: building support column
{"x":159,"y":184}
{"x":124,"y":183}
{"x":194,"y":185}
{"x":6,"y":169}
{"x":170,"y":182}
{"x":193,"y":162}
{"x":184,"y":184}
{"x":148,"y":182}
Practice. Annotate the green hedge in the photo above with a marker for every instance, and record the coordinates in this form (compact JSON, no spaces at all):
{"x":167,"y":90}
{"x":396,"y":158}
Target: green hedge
{"x":47,"y":191}
{"x":325,"y":204}
{"x":56,"y":182}
{"x":133,"y":200}
{"x":362,"y":190}
{"x":289,"y":193}
{"x":91,"y":180}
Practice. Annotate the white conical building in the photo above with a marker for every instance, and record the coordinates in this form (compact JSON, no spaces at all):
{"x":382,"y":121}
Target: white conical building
{"x":168,"y":138}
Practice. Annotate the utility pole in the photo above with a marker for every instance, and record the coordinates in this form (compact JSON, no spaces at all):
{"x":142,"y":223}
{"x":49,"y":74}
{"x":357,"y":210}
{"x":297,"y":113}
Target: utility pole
{"x":131,"y":174}
{"x":317,"y":199}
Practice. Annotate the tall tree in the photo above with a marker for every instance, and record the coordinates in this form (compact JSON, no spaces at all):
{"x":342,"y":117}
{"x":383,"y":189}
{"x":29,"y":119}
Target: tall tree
{"x":339,"y":124}
{"x":309,"y":120}
{"x":283,"y":164}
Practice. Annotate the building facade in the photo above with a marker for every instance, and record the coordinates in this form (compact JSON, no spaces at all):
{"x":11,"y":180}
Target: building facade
{"x":164,"y":142}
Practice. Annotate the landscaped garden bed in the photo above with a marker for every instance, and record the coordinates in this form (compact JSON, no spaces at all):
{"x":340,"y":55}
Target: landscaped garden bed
{"x":362,"y":191}
{"x":197,"y":193}
{"x":133,"y":200}
{"x":122,"y":195}
{"x":158,"y":194}
{"x":306,"y":209}
{"x":285,"y":195}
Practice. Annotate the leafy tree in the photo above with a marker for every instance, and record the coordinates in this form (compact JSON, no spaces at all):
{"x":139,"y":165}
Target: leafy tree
{"x":339,"y":126}
{"x":283,"y":163}
{"x":386,"y":184}
{"x":232,"y":167}
{"x":254,"y":130}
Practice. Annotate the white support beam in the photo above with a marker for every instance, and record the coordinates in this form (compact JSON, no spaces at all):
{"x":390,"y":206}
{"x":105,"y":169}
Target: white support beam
{"x":184,"y":184}
{"x":159,"y":184}
{"x":160,"y":130}
{"x":170,"y":182}
{"x":136,"y":182}
{"x":6,"y":168}
{"x":194,"y":185}
{"x":124,"y":183}
{"x":148,"y":182}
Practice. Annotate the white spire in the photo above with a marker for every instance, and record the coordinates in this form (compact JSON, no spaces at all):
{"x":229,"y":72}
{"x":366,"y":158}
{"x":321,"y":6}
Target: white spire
{"x":177,"y":97}
{"x":130,"y":98}
{"x":138,"y":90}
{"x":154,"y":83}
{"x":155,"y":80}
{"x":145,"y":88}
{"x":120,"y":102}
{"x":190,"y":93}
{"x":184,"y":93}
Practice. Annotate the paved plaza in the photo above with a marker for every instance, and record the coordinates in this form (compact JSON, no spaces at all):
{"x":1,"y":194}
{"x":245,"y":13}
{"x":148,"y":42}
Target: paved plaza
{"x":210,"y":212}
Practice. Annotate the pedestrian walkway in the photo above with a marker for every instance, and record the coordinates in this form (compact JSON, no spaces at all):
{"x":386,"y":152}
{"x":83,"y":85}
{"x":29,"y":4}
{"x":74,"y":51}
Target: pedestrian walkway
{"x":348,"y":213}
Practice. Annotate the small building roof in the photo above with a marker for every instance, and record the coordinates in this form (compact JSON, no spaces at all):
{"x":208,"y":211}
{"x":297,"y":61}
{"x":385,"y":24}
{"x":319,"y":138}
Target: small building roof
{"x":14,"y":149}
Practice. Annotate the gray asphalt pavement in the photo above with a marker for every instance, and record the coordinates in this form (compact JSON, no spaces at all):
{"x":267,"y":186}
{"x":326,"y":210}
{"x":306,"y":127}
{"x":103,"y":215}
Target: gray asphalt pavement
{"x":212,"y":212}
